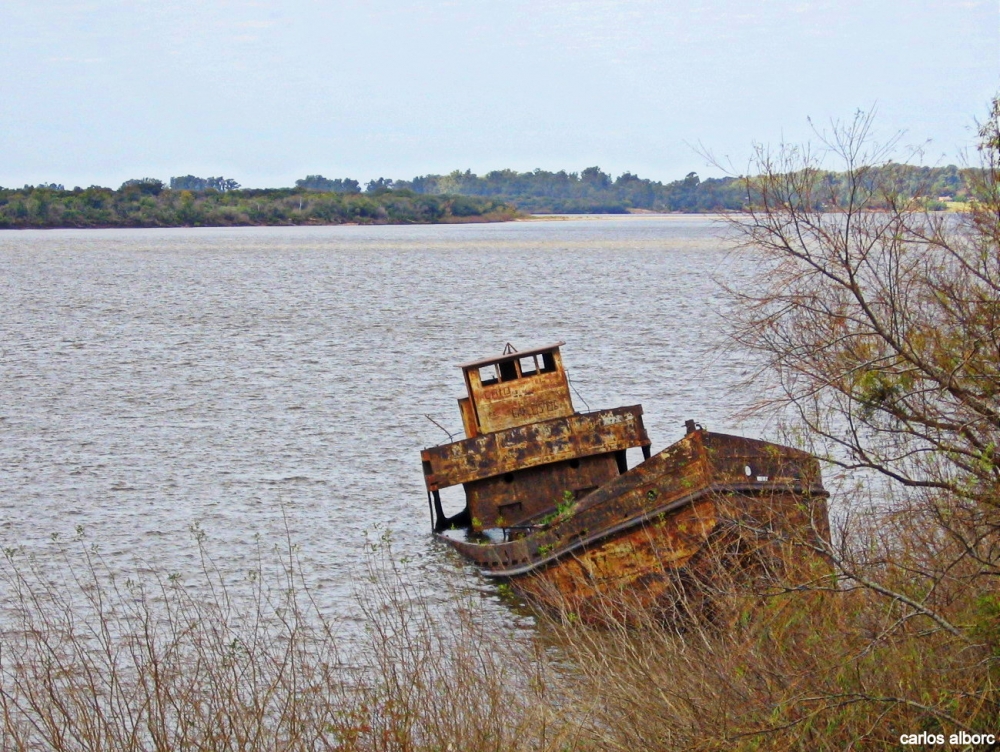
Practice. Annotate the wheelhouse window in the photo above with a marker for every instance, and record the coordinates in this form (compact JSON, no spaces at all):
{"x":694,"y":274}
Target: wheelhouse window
{"x":508,"y":371}
{"x":514,"y":368}
{"x":502,"y":371}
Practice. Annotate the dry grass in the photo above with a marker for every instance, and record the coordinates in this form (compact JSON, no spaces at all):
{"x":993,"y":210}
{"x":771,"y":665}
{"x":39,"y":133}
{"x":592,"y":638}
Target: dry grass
{"x":895,"y":630}
{"x":107,"y":662}
{"x":900,"y":636}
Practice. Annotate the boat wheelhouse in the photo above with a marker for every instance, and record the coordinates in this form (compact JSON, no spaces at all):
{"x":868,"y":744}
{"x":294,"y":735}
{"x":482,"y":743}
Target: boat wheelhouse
{"x":526,"y":448}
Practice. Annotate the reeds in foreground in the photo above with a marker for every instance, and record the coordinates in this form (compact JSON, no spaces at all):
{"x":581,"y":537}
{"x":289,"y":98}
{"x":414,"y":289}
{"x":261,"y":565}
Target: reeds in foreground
{"x":895,"y":633}
{"x":108,"y":662}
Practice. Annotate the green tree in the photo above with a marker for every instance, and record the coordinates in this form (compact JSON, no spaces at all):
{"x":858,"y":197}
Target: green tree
{"x":326,"y":185}
{"x":188,"y":183}
{"x":595,"y":179}
{"x":379,"y":185}
{"x":221,"y":184}
{"x":145,"y":186}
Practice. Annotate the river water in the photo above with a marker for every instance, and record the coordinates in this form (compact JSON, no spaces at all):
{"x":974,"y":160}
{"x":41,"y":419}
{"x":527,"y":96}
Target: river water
{"x":263,"y":381}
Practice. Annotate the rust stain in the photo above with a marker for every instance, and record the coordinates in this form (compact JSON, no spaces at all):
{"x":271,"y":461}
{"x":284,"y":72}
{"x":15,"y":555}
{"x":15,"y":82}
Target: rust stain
{"x":522,"y":447}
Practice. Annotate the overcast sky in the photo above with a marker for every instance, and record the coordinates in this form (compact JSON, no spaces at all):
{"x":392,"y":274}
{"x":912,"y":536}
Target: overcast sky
{"x":100,"y":91}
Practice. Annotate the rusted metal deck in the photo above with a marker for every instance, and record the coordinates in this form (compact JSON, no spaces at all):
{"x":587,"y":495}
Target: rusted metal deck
{"x":532,"y":445}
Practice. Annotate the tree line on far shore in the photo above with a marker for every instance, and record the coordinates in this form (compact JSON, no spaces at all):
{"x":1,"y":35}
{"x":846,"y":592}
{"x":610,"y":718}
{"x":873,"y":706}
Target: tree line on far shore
{"x":595,"y":191}
{"x":220,"y":202}
{"x":457,"y":197}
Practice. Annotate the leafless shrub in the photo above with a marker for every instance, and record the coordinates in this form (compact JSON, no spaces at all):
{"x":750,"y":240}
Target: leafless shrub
{"x":877,"y":324}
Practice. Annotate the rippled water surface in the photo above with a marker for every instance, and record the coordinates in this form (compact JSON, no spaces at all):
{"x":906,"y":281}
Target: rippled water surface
{"x":256,"y":378}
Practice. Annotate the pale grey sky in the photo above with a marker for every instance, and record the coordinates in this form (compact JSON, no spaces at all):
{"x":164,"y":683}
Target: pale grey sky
{"x":267,"y":91}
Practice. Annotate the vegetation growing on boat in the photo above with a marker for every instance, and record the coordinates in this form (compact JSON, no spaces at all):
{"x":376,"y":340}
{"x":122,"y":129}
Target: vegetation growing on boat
{"x":564,"y":508}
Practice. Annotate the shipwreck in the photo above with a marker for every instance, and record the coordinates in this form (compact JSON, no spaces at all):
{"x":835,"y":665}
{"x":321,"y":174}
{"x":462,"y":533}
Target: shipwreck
{"x":552,"y":506}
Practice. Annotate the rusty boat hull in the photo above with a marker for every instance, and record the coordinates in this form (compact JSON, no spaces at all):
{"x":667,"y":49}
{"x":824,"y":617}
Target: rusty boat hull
{"x":667,"y":524}
{"x":552,"y":506}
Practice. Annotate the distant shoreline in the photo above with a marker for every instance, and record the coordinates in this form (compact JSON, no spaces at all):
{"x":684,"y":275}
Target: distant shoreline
{"x":457,"y":198}
{"x":636,"y":217}
{"x":633,"y":216}
{"x":512,"y":217}
{"x":450,"y":221}
{"x":148,"y":204}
